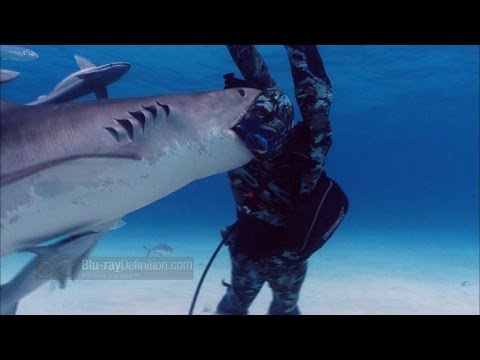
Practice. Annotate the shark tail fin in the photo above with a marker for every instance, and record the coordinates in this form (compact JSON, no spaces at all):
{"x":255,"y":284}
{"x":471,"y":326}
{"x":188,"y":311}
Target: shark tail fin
{"x":149,"y":251}
{"x":7,"y":307}
{"x":83,"y":63}
{"x":101,"y":93}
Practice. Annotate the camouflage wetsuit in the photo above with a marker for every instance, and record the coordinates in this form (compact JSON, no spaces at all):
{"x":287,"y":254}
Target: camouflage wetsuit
{"x":264,"y":188}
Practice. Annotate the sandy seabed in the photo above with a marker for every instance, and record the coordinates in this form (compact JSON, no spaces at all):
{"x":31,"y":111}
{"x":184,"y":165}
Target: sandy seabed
{"x":361,"y":274}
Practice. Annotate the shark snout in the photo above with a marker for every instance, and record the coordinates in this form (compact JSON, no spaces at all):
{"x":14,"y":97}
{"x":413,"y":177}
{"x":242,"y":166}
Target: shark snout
{"x":109,"y":73}
{"x":121,"y":68}
{"x":124,"y":65}
{"x":244,"y":98}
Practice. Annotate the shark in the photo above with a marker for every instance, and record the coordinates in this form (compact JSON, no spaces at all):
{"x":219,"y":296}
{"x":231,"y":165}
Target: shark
{"x":89,"y":79}
{"x":71,"y":171}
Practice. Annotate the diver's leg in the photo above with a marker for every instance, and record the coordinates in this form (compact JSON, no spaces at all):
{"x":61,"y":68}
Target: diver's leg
{"x":285,"y":280}
{"x":246,"y":283}
{"x":252,"y":66}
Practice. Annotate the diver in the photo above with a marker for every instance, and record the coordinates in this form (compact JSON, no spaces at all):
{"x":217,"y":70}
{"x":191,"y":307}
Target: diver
{"x":286,"y":205}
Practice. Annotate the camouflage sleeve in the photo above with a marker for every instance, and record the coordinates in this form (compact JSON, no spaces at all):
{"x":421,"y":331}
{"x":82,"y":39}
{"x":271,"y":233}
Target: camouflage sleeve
{"x":313,"y":91}
{"x":251,"y":65}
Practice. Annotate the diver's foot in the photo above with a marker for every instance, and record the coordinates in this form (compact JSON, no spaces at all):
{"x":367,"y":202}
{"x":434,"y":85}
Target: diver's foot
{"x":225,"y":307}
{"x":273,"y":310}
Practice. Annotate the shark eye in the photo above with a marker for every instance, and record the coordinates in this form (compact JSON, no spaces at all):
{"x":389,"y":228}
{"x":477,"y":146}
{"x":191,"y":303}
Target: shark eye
{"x":241,"y":92}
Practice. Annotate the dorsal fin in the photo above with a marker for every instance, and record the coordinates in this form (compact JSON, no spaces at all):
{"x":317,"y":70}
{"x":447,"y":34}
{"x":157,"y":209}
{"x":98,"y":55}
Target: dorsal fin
{"x":83,"y":63}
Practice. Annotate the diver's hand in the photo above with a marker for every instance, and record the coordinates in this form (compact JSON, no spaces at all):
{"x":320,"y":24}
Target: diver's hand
{"x":252,"y":66}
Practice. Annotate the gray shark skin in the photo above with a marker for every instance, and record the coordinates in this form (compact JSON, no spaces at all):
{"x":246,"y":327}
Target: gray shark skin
{"x":7,"y":75}
{"x":66,"y":167}
{"x":70,"y":171}
{"x":89,"y":79}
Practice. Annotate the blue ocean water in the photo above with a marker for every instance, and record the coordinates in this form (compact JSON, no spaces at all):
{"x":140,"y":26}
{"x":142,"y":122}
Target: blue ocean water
{"x":405,"y":122}
{"x":406,"y":137}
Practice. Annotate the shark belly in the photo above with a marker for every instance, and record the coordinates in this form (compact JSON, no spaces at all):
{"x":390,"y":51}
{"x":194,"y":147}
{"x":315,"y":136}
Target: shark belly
{"x":74,"y":196}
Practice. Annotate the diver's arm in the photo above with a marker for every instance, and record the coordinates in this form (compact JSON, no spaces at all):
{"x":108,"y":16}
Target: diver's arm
{"x":313,"y":91}
{"x":251,"y":65}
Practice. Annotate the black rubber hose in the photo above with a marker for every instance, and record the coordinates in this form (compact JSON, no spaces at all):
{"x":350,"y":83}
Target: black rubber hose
{"x":200,"y":282}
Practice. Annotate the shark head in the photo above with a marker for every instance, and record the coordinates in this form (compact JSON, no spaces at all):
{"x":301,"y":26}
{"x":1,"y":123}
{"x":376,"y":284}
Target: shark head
{"x":197,"y":130}
{"x":108,"y":73}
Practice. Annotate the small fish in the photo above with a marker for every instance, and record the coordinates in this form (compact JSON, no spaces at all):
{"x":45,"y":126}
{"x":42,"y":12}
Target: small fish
{"x":162,"y":249}
{"x":7,"y":75}
{"x":17,"y":53}
{"x":464,"y":283}
{"x":121,"y":223}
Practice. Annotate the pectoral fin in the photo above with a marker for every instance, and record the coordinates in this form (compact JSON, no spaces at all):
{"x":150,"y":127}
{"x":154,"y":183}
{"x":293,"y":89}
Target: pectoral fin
{"x":101,"y":93}
{"x":83,"y":63}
